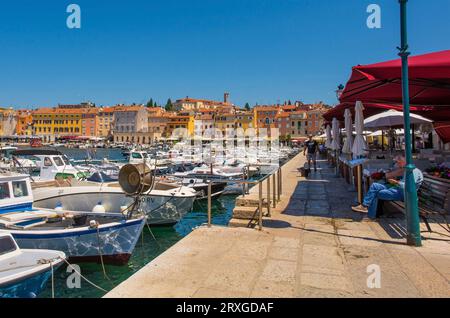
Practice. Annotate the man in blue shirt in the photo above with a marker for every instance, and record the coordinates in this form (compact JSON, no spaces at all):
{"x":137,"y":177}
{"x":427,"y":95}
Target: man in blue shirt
{"x":396,"y":191}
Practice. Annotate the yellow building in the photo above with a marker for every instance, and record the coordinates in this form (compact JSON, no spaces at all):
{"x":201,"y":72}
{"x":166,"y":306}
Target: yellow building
{"x":105,"y":122}
{"x":245,"y":120}
{"x":179,"y":121}
{"x":224,"y":121}
{"x":53,"y":123}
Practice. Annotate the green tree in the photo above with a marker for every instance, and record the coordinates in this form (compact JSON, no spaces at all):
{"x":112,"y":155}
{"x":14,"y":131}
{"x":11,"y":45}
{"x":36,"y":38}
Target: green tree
{"x":169,"y":105}
{"x":247,"y":106}
{"x":150,"y":103}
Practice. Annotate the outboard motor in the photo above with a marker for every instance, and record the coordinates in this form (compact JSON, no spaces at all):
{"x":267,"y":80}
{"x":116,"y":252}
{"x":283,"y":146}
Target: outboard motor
{"x":135,"y":179}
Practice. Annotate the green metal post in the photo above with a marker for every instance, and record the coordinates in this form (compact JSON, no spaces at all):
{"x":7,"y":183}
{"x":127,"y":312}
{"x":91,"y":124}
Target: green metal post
{"x":411,"y":201}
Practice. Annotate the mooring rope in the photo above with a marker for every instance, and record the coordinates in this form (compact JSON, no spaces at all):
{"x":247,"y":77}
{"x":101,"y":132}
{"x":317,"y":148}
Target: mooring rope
{"x":53,"y":280}
{"x":101,"y":253}
{"x":94,"y":285}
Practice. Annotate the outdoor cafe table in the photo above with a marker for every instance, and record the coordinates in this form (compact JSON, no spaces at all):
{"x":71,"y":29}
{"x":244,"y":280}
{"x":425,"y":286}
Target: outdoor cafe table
{"x":352,"y":165}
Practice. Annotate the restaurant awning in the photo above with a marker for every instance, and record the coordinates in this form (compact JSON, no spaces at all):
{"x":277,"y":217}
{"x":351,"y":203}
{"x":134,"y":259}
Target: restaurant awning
{"x":429,"y":77}
{"x":433,"y":112}
{"x":443,"y":131}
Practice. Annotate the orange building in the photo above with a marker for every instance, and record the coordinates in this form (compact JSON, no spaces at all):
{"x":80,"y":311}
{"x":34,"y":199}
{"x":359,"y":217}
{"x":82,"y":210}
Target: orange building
{"x":265,"y":117}
{"x":89,"y":122}
{"x":24,"y":123}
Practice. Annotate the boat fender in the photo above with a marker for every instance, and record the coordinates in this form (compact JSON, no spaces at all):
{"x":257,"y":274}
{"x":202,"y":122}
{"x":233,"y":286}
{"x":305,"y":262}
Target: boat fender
{"x":59,"y":207}
{"x":93,"y":224}
{"x":123,"y":209}
{"x":99,"y":208}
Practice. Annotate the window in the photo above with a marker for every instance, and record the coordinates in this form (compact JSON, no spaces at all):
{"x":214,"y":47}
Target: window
{"x":66,"y":160}
{"x":20,"y":189}
{"x":136,"y":155}
{"x":47,"y":162}
{"x":58,"y":161}
{"x":4,"y":191}
{"x":6,"y":245}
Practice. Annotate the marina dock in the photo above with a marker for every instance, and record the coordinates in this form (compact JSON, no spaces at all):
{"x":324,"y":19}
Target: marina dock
{"x":312,"y":245}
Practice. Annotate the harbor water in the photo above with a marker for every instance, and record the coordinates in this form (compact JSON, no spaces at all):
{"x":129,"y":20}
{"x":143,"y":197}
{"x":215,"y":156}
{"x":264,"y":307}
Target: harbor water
{"x":151,"y":245}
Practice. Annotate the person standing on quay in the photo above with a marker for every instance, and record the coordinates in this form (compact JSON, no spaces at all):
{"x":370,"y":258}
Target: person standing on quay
{"x":312,"y":148}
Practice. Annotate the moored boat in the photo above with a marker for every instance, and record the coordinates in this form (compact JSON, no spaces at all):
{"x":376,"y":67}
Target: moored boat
{"x":25,"y":272}
{"x":82,"y":236}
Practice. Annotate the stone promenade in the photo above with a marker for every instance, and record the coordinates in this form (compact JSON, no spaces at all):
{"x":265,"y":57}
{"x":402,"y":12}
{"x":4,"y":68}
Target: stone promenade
{"x":313,"y":245}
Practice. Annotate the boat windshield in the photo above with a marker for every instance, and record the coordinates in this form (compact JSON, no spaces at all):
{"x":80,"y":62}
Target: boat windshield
{"x":4,"y":191}
{"x":58,"y":161}
{"x":66,"y":160}
{"x":136,"y":155}
{"x":6,"y":245}
{"x":20,"y":189}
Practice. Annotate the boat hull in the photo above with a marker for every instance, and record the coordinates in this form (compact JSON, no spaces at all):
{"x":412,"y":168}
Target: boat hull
{"x":27,"y":287}
{"x":113,"y":242}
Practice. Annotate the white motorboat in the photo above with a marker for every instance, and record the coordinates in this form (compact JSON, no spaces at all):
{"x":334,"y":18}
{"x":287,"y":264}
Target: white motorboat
{"x":51,"y":165}
{"x":82,"y":236}
{"x":164,"y":204}
{"x":25,"y":272}
{"x":8,"y":160}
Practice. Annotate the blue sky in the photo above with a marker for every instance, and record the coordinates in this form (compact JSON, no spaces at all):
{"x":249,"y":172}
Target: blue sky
{"x":261,"y":51}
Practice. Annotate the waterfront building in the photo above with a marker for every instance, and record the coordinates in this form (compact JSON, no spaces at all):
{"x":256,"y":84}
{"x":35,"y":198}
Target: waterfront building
{"x":89,"y":122}
{"x":176,"y":121}
{"x":203,"y":122}
{"x":130,"y":119}
{"x":192,"y":104}
{"x":53,"y":123}
{"x":8,"y":121}
{"x":105,"y":122}
{"x":24,"y":125}
{"x":315,"y":121}
{"x":298,"y":125}
{"x":157,"y":122}
{"x":282,"y":122}
{"x":131,"y":124}
{"x":244,"y":120}
{"x":264,"y":117}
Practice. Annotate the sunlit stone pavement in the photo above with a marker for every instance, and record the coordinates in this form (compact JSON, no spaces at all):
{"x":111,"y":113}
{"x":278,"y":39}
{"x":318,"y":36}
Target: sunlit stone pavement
{"x":313,"y":245}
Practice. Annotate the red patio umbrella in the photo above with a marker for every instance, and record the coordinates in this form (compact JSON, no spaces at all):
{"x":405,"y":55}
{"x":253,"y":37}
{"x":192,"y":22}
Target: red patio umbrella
{"x":429,"y":76}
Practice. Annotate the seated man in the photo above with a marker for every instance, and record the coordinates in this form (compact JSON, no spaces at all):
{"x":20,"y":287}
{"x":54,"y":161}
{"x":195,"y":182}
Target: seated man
{"x":393,"y":193}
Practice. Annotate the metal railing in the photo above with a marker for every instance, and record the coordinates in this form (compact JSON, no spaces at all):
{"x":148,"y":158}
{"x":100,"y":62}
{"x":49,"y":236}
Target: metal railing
{"x":273,"y":194}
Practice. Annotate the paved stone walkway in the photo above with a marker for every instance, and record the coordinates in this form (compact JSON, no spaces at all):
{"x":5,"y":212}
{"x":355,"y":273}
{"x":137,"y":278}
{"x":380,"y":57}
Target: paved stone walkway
{"x":312,"y":246}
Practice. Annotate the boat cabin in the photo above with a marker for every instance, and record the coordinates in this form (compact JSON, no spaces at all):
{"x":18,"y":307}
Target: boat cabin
{"x":7,"y":245}
{"x":137,"y":157}
{"x":52,"y":164}
{"x":15,"y":193}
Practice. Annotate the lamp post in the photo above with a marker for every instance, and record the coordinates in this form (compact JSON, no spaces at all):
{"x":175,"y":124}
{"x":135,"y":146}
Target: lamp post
{"x":339,"y":91}
{"x":411,"y":201}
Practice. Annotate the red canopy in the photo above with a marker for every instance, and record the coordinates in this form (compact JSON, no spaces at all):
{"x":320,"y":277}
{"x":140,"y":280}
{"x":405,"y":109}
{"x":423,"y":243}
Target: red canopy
{"x":433,"y":112}
{"x":443,"y":130}
{"x":429,"y":76}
